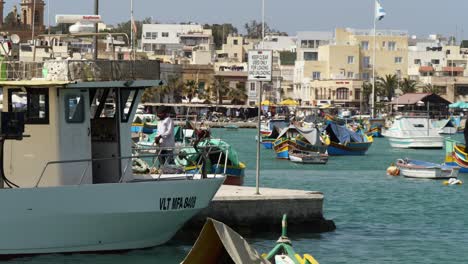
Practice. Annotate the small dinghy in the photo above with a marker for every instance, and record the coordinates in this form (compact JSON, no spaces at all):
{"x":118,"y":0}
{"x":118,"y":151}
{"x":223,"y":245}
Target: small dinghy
{"x":307,"y":157}
{"x":426,"y":170}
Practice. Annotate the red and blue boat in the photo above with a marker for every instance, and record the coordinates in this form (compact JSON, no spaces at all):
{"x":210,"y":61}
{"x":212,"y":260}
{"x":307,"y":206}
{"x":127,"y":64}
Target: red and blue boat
{"x":271,"y":130}
{"x":344,"y":142}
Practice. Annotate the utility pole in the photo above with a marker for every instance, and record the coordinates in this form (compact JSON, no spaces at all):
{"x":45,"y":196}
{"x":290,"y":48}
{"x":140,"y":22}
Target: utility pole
{"x":95,"y":42}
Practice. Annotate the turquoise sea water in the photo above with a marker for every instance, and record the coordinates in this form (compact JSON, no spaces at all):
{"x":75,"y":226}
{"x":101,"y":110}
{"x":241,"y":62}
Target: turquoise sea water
{"x":379,"y":219}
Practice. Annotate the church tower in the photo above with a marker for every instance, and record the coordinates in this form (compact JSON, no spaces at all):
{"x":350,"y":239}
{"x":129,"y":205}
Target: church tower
{"x":27,"y":16}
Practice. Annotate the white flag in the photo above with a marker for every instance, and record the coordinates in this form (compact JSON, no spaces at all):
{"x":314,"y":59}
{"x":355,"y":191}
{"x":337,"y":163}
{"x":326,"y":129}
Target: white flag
{"x":379,"y":11}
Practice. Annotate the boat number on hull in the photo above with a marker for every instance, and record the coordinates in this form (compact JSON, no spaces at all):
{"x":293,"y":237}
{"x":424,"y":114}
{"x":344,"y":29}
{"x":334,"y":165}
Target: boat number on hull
{"x":177,"y":203}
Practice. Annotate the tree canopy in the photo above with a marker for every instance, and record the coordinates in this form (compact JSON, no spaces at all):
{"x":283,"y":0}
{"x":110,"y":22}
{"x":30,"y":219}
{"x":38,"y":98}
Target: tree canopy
{"x":254,"y":30}
{"x":220,"y":33}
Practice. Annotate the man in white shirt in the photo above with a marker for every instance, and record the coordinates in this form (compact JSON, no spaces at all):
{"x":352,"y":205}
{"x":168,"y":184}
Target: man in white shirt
{"x":165,"y":136}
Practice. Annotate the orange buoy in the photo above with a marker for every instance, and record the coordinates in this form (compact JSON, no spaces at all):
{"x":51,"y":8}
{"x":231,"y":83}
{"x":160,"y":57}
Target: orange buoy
{"x":393,"y":170}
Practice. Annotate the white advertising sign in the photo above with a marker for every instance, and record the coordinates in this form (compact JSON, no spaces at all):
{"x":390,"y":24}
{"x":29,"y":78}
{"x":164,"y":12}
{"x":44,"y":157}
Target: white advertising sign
{"x":260,"y":65}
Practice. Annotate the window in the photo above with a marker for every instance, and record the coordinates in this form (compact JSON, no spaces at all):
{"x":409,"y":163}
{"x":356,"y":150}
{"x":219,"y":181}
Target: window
{"x":342,"y":94}
{"x":127,"y":100}
{"x":165,"y":34}
{"x":310,"y":56}
{"x":350,"y":75}
{"x":235,"y":42}
{"x":357,"y":94}
{"x":148,"y":35}
{"x":315,"y":75}
{"x":391,"y":45}
{"x":398,"y":60}
{"x":447,"y":52}
{"x":350,"y":59}
{"x":154,"y":35}
{"x":34,"y":102}
{"x":365,"y":45}
{"x":417,"y":61}
{"x":384,"y":44}
{"x":235,"y":55}
{"x":74,"y":108}
{"x":366,"y":62}
{"x":252,"y":87}
{"x":435,"y":61}
{"x":103,"y":103}
{"x":366,"y":76}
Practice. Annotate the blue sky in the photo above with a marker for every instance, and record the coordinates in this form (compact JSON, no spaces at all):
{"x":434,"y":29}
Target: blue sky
{"x":419,"y":17}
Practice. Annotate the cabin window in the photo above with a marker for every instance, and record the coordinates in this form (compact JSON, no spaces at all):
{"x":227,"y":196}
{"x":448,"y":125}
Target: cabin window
{"x":34,"y":102}
{"x":418,"y":125}
{"x":74,"y":108}
{"x":103,"y":103}
{"x":127,"y":100}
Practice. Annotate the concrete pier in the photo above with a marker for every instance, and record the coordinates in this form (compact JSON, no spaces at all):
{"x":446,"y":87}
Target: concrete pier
{"x":240,"y":208}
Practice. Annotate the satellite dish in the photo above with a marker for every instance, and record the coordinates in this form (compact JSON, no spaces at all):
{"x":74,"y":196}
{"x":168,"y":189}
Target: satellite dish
{"x":15,"y":39}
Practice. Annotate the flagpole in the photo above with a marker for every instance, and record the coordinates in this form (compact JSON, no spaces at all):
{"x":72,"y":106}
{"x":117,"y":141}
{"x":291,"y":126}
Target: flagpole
{"x":373,"y":60}
{"x":132,"y":23}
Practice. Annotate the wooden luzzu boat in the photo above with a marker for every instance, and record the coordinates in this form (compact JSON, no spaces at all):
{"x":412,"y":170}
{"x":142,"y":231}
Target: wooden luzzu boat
{"x":456,"y":154}
{"x":303,"y":139}
{"x":344,"y":142}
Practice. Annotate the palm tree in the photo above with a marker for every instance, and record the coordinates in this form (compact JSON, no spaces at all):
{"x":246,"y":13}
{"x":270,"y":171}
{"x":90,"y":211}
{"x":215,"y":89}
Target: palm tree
{"x":190,"y":90}
{"x":408,"y":86}
{"x":429,"y":88}
{"x":387,"y":85}
{"x":173,"y":86}
{"x":220,"y":87}
{"x":238,"y":95}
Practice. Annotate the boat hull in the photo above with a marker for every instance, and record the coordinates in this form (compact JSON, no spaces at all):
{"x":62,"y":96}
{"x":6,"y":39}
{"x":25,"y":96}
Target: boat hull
{"x":99,"y":217}
{"x":350,"y":149}
{"x":234,"y":174}
{"x":416,"y":142}
{"x":426,"y":170}
{"x":309,"y":159}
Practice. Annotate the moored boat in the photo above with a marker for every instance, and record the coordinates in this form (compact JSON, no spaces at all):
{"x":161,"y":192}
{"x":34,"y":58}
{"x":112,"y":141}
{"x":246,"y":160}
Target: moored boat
{"x":343,"y":141}
{"x":283,"y":252}
{"x":307,"y":157}
{"x":294,"y":138}
{"x":76,"y":192}
{"x":413,"y":132}
{"x":426,"y":170}
{"x":456,"y":155}
{"x":375,"y":127}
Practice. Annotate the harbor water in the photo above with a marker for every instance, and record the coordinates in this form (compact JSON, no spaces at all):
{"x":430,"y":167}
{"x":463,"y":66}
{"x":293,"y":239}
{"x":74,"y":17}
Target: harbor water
{"x":379,"y":218}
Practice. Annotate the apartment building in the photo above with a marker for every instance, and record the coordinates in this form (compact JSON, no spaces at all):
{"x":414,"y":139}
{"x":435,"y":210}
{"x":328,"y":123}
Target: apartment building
{"x":335,"y":68}
{"x":178,"y":43}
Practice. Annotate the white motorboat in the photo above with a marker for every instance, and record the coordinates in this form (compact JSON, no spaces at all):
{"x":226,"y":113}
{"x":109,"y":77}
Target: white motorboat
{"x":71,"y":188}
{"x":426,"y":170}
{"x":413,"y":132}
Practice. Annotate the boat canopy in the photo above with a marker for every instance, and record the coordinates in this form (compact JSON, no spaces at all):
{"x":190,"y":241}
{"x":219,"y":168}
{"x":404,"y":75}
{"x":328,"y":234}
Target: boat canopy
{"x":312,"y":135}
{"x":443,"y":123}
{"x":223,"y":244}
{"x":342,"y":135}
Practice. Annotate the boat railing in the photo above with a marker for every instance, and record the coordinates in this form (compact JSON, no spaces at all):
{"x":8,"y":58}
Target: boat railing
{"x":80,"y":70}
{"x":203,"y":155}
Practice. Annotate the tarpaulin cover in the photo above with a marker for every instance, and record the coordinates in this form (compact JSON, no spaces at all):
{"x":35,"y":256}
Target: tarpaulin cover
{"x":341,"y":134}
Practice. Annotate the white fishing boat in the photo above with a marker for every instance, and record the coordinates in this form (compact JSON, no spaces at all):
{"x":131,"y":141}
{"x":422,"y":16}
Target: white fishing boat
{"x":307,"y":157}
{"x":413,"y":132}
{"x":69,"y":185}
{"x":426,"y":170}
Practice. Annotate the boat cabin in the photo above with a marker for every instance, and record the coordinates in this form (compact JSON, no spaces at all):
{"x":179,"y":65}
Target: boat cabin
{"x":78,"y":127}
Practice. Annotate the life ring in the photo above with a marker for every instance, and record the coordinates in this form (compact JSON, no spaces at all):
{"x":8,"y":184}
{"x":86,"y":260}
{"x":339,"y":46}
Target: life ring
{"x":139,"y":166}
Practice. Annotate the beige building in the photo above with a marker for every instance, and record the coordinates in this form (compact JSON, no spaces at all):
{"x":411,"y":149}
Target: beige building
{"x":343,"y":63}
{"x":235,"y":49}
{"x":391,"y":53}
